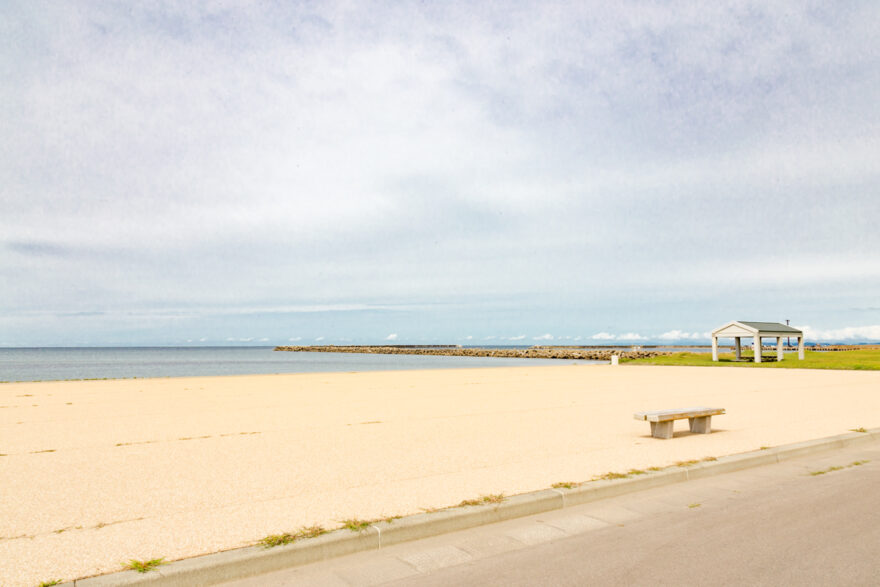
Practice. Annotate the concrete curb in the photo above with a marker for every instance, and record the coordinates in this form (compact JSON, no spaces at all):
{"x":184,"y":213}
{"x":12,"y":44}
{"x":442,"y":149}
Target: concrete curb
{"x":255,"y":560}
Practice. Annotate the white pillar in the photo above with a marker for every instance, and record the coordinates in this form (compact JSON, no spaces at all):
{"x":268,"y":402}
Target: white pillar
{"x":738,"y":348}
{"x":714,"y":348}
{"x":779,"y":353}
{"x":757,"y":349}
{"x":801,"y":347}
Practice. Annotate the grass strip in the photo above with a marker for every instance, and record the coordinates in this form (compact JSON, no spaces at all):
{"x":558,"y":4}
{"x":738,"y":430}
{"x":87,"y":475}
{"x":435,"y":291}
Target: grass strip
{"x":856,"y":360}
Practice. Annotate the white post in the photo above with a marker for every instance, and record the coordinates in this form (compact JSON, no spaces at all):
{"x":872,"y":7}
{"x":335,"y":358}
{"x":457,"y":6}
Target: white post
{"x":714,"y":348}
{"x":757,"y":349}
{"x":801,"y":347}
{"x":779,"y":353}
{"x":738,"y":348}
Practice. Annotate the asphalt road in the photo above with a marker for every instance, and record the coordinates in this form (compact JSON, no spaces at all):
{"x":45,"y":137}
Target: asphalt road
{"x":771,"y":525}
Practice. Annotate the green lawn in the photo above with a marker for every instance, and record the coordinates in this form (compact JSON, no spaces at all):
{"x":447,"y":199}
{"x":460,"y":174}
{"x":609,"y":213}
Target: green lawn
{"x":861,"y":359}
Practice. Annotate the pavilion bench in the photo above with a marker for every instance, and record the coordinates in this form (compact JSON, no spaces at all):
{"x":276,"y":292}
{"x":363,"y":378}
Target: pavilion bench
{"x":700,"y":420}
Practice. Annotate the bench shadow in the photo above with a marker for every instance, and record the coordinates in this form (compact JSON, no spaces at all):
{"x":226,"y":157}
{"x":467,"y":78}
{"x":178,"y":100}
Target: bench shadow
{"x":681,"y":433}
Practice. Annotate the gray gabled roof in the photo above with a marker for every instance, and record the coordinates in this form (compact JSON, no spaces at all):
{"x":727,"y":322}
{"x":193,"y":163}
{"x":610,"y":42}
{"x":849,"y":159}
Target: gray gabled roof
{"x":743,"y":328}
{"x":770,"y":326}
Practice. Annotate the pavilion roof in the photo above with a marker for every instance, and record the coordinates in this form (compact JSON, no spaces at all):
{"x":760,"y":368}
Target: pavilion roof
{"x":770,"y":326}
{"x":758,"y":328}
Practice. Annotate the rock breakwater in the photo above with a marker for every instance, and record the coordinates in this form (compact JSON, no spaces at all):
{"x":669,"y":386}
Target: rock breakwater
{"x":543,"y":352}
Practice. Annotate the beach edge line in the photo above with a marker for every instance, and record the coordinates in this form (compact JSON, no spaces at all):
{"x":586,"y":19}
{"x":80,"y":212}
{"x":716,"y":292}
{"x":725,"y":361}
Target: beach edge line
{"x":249,"y":561}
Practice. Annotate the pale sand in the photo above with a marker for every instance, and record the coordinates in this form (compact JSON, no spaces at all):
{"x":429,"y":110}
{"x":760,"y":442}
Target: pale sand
{"x":185,"y":466}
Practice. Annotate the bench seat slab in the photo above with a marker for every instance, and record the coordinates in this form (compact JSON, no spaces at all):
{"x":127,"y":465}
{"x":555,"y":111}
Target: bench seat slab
{"x":663,"y":415}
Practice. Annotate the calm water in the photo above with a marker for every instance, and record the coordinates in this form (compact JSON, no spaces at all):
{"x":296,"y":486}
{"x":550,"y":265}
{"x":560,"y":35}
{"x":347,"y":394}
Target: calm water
{"x":46,"y":364}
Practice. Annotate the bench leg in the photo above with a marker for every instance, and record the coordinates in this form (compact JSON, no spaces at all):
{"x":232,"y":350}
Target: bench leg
{"x":701,"y":425}
{"x":662,"y":429}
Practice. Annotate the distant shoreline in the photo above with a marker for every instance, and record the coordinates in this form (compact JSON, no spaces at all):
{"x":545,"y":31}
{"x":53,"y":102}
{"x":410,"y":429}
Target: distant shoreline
{"x":536,"y":352}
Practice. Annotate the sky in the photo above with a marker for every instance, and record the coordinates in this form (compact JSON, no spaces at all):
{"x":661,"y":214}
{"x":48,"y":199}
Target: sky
{"x":204,"y":173}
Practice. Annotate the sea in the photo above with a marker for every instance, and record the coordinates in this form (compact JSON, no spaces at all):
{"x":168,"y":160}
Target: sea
{"x":54,"y":364}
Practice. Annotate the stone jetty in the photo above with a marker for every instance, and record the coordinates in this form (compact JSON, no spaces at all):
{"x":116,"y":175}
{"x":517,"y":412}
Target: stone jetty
{"x":538,"y":352}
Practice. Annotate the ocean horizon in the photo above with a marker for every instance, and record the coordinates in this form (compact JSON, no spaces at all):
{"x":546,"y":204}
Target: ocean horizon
{"x":125,"y":362}
{"x":72,"y":363}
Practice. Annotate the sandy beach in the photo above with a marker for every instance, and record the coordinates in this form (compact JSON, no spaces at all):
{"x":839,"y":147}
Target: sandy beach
{"x":95,"y":473}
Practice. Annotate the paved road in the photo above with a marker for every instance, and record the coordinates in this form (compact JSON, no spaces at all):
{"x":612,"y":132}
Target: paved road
{"x":772,"y":525}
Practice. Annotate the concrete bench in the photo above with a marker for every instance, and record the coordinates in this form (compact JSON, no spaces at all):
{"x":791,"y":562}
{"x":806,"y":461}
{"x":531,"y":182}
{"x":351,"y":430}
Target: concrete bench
{"x":700,"y":420}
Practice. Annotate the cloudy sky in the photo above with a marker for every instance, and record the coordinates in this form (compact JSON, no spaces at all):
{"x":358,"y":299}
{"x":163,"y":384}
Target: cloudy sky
{"x":267,"y":172}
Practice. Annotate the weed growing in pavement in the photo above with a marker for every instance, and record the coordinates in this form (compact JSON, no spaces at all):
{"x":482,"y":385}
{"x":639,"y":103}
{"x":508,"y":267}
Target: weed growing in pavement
{"x":483,"y":500}
{"x":466,"y":502}
{"x":287,"y":538}
{"x":50,"y":583}
{"x":145,"y":566}
{"x":822,"y":472}
{"x":830,"y":469}
{"x":860,"y":429}
{"x":610,"y":476}
{"x":356,"y":525}
{"x":694,"y":505}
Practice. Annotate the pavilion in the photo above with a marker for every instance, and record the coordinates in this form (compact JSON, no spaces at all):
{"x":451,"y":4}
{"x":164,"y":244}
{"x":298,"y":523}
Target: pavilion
{"x":756,"y":330}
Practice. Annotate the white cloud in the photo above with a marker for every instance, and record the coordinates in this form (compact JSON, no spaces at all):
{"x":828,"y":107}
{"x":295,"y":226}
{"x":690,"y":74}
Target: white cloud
{"x":848,"y":333}
{"x":631,"y":336}
{"x":294,"y":339}
{"x":319,"y":339}
{"x":392,"y":336}
{"x":681,"y":335}
{"x":547,"y":336}
{"x":382,"y":155}
{"x":520,"y":337}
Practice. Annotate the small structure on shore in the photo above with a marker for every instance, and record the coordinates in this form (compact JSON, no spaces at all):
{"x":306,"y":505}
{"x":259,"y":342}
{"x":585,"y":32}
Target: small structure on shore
{"x":756,"y":330}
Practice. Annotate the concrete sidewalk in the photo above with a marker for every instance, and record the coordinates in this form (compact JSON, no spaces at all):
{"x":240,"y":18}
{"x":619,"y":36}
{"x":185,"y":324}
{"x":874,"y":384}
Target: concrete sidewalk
{"x":775,"y":524}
